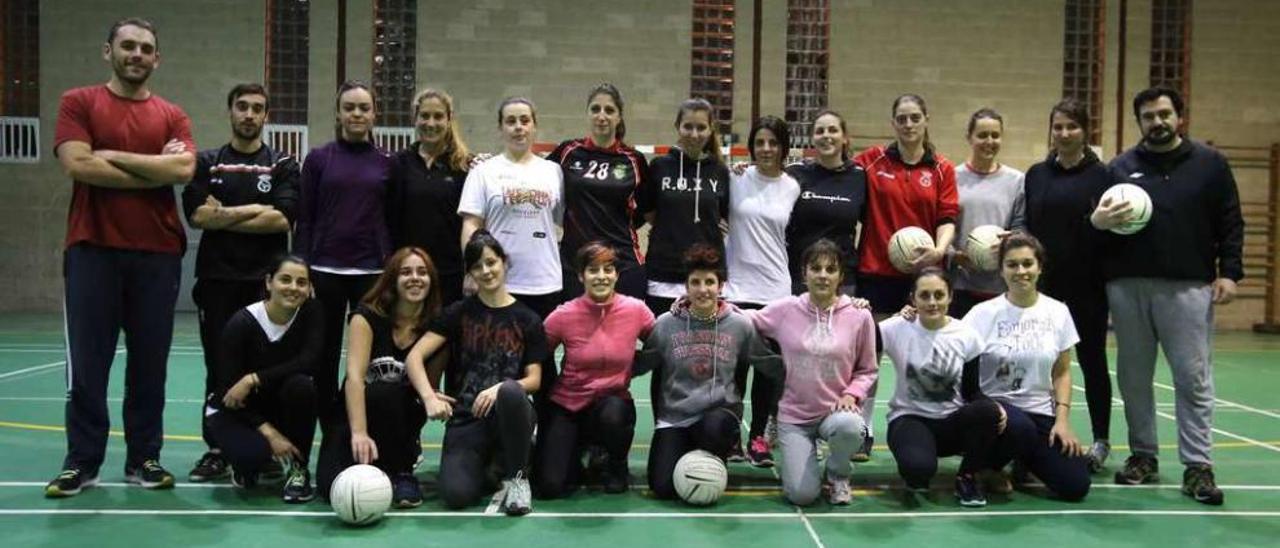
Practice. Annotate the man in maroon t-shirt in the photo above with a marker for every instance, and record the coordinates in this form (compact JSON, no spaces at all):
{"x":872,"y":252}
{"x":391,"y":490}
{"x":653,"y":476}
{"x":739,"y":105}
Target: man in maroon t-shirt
{"x":124,"y":149}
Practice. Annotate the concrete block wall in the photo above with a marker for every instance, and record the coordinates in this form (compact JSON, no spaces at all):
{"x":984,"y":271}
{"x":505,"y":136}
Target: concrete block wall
{"x":960,"y":55}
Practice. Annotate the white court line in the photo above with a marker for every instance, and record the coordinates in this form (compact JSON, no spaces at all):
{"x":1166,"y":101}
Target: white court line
{"x":1219,"y":401}
{"x":112,"y":399}
{"x":1215,"y":430}
{"x":657,"y":515}
{"x":33,"y":369}
{"x":732,"y":488}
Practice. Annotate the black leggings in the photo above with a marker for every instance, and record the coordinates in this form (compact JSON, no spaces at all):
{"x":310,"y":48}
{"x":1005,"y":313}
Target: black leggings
{"x":714,"y":432}
{"x":917,"y":442}
{"x":563,"y":435}
{"x":469,"y":447}
{"x":394,"y":418}
{"x":337,"y":293}
{"x":1088,"y":306}
{"x":1026,"y":438}
{"x":765,"y":391}
{"x":289,"y":406}
{"x":216,"y":301}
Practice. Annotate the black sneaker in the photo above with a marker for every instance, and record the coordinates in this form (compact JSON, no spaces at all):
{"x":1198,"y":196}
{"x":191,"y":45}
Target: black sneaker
{"x":297,"y":485}
{"x":863,"y":454}
{"x":242,"y":480}
{"x":149,"y":475}
{"x":616,"y":478}
{"x":1139,"y":469}
{"x":969,"y":492}
{"x":759,"y":454}
{"x":69,"y":483}
{"x":210,"y":467}
{"x":406,"y":492}
{"x":1198,"y":483}
{"x":736,"y":454}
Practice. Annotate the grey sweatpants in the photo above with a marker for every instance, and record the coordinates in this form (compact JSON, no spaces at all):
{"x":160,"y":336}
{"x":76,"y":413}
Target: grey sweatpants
{"x":801,"y":477}
{"x":1177,"y":314}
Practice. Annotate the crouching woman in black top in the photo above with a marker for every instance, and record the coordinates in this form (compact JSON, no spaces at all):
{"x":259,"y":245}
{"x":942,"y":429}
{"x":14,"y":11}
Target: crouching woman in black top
{"x":383,"y":419}
{"x":264,"y":405}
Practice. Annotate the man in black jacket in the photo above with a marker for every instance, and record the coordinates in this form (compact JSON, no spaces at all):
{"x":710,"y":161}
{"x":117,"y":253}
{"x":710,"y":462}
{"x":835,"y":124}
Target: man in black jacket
{"x":242,"y":197}
{"x":1163,"y":281}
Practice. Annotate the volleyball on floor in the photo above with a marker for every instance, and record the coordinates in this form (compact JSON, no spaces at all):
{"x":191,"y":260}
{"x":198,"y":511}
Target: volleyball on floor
{"x":980,"y":246}
{"x":700,"y":478}
{"x":903,"y":245}
{"x":1138,"y":199}
{"x":361,"y":494}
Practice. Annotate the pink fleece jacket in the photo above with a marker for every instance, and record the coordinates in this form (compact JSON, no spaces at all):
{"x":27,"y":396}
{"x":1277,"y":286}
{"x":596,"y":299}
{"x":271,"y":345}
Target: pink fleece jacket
{"x":599,"y":345}
{"x":828,"y":354}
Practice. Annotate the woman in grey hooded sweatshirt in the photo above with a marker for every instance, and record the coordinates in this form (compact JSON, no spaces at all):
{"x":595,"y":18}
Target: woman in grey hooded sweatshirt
{"x":695,"y":350}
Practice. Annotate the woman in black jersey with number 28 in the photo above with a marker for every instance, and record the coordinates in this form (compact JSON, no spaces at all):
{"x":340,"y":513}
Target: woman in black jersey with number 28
{"x":602,"y":179}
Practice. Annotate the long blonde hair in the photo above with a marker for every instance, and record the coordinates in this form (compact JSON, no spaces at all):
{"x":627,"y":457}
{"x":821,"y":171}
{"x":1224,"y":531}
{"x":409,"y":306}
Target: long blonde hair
{"x":460,"y":154}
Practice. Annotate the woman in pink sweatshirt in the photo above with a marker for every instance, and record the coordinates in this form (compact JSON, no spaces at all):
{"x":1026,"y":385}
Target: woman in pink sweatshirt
{"x":589,"y":402}
{"x":828,"y":345}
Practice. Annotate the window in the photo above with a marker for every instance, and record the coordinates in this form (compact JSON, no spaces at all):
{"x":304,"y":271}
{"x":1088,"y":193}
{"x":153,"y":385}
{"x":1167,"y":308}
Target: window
{"x":1083,"y":52}
{"x":395,"y":33}
{"x":19,"y":81}
{"x":288,"y":44}
{"x":711,"y":70}
{"x":1171,"y":48}
{"x":808,"y":46}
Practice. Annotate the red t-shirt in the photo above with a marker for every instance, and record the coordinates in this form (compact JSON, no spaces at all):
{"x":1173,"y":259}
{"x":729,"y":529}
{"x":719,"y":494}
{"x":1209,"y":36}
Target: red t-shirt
{"x":137,"y":219}
{"x":899,"y":196}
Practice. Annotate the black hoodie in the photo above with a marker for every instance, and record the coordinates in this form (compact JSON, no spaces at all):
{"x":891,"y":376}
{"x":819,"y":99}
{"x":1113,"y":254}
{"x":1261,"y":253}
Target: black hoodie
{"x":689,"y":200}
{"x":1059,"y":201}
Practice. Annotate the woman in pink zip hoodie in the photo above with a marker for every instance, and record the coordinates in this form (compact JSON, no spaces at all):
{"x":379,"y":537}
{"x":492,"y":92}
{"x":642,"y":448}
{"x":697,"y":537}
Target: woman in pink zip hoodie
{"x":829,"y":347}
{"x":590,"y":403}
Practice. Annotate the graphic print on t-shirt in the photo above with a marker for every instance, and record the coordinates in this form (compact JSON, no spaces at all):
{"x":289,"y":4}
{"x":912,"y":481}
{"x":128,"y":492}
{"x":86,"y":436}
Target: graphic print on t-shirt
{"x":934,"y":381}
{"x":385,"y":369}
{"x":492,"y":351}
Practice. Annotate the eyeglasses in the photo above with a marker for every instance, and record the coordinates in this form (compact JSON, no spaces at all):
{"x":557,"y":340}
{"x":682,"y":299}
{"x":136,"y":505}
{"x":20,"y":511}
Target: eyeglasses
{"x":902,"y":119}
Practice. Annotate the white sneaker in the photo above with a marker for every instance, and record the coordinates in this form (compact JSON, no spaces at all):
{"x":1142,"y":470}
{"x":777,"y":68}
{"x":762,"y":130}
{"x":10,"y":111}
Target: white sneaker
{"x":519,"y":498}
{"x":839,"y":493}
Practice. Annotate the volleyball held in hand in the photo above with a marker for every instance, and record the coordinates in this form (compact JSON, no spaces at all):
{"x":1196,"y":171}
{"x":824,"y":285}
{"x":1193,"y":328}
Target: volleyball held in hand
{"x":981,"y":247}
{"x":1139,"y":201}
{"x":700,"y":478}
{"x":903,"y":245}
{"x":361,"y":494}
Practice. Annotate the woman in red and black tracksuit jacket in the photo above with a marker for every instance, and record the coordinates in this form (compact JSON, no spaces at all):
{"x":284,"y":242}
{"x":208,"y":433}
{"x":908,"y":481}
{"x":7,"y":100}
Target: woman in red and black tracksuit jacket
{"x":603,"y":178}
{"x":908,"y":184}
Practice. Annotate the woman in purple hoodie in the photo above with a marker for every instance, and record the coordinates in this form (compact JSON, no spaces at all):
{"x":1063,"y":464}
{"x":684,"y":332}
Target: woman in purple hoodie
{"x":590,"y":403}
{"x":829,"y":347}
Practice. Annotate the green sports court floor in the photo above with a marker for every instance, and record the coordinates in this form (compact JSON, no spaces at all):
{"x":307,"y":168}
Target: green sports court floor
{"x":1247,"y":451}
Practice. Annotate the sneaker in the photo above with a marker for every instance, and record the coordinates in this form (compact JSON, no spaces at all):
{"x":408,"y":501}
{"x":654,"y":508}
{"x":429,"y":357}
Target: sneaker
{"x":969,"y":492}
{"x":69,"y":483}
{"x":1139,"y":469}
{"x":1198,"y":483}
{"x":150,"y":475}
{"x":839,"y":493}
{"x":771,"y":431}
{"x":616,"y":478}
{"x":297,"y":485}
{"x":863,"y":454}
{"x":519,"y":500}
{"x":736,"y":454}
{"x":406,"y":491}
{"x":995,"y":481}
{"x":242,"y":480}
{"x":210,"y":467}
{"x":1098,"y":453}
{"x":759,"y":454}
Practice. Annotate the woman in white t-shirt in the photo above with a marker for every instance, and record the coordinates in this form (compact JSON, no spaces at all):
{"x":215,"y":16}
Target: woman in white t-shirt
{"x":1026,"y":367}
{"x":930,"y":416}
{"x":516,"y":196}
{"x":760,"y":203}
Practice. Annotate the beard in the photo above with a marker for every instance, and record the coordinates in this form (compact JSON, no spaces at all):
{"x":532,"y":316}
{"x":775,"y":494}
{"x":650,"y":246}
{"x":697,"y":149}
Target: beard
{"x":1159,"y":136}
{"x":247,"y":134}
{"x":121,"y":69}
